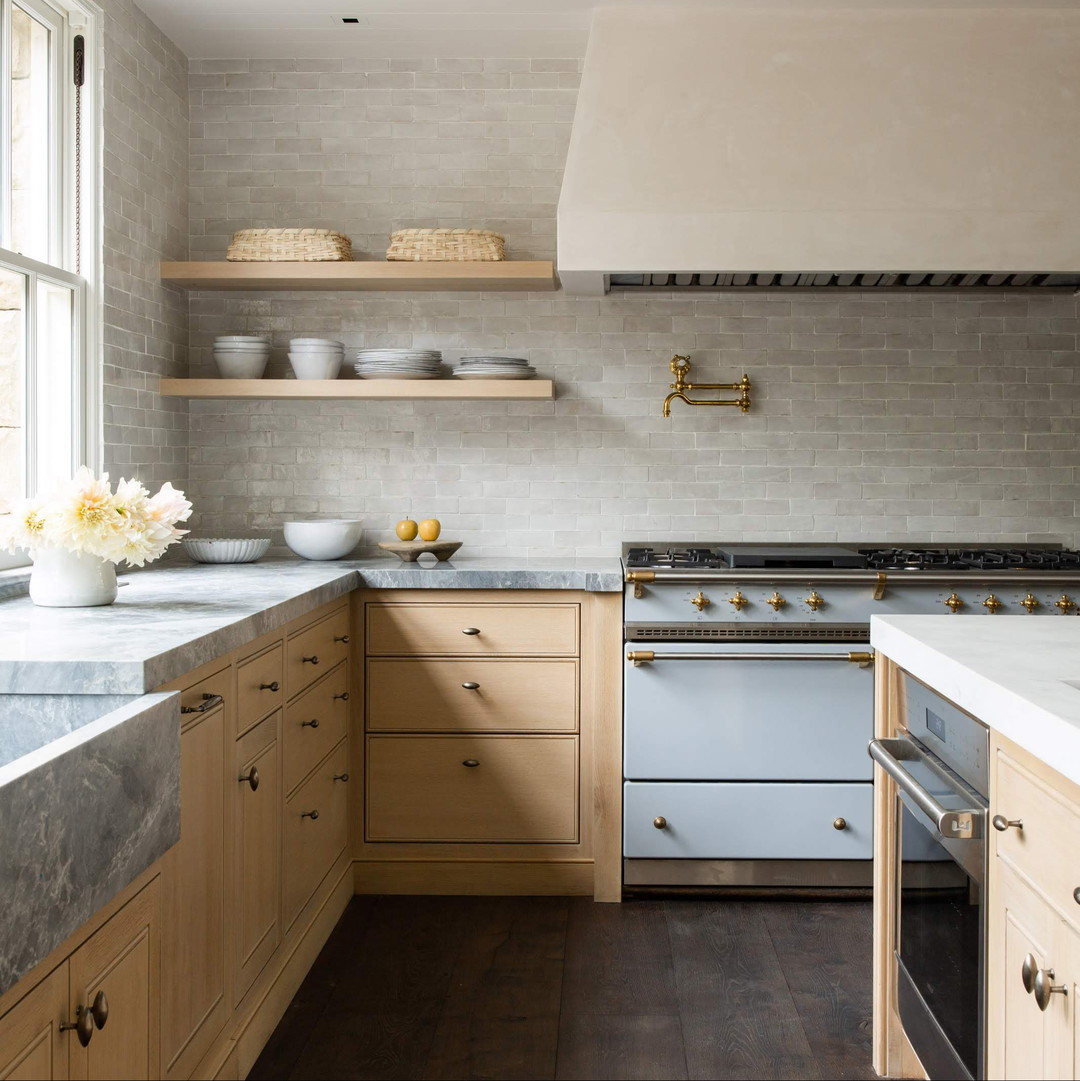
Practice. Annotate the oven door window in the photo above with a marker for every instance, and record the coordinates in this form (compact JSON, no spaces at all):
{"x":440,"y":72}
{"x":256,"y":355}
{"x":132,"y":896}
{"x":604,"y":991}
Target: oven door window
{"x":940,"y":934}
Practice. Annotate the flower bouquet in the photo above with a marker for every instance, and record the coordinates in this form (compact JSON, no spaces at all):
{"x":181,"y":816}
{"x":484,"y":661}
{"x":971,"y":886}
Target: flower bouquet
{"x":80,"y":530}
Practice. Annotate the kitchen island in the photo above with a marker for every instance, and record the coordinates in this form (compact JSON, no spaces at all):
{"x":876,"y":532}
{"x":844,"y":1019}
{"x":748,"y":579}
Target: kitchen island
{"x":1020,"y":679}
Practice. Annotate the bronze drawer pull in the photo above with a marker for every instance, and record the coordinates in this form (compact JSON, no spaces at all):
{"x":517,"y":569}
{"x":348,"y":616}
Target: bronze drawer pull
{"x":470,"y":686}
{"x":82,"y":1026}
{"x":275,"y":686}
{"x":313,"y":659}
{"x":341,"y":638}
{"x":341,"y":776}
{"x":309,"y":814}
{"x":314,"y":723}
{"x":471,"y":630}
{"x":1001,"y":823}
{"x":344,"y":696}
{"x":659,"y":822}
{"x":210,"y":701}
{"x":470,"y":762}
{"x":252,"y":778}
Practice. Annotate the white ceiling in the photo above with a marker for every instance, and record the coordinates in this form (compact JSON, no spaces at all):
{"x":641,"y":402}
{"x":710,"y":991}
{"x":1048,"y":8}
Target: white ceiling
{"x":261,"y":29}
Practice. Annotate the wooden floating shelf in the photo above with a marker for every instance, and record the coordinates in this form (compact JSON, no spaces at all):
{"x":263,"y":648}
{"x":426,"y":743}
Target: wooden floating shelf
{"x":375,"y":276}
{"x":361,"y":389}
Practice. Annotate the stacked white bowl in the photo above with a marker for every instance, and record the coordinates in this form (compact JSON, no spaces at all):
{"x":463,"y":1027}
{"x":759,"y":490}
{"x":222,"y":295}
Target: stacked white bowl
{"x":316,"y":358}
{"x":241,"y":356}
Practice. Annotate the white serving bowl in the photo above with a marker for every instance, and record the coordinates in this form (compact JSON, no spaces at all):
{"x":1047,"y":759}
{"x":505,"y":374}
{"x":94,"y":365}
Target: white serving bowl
{"x":225,"y":550}
{"x":243,"y":347}
{"x":316,"y":365}
{"x":327,"y":342}
{"x":234,"y":365}
{"x":243,"y":338}
{"x":328,"y":539}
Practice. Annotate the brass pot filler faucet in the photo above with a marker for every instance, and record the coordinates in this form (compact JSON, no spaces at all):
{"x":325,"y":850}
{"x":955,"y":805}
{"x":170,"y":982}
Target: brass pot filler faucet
{"x":680,"y":367}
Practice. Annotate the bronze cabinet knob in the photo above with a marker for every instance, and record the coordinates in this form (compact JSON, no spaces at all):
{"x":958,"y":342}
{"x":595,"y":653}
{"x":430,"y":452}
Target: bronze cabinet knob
{"x":341,"y":776}
{"x":471,"y":631}
{"x":252,"y":778}
{"x":100,"y":1009}
{"x":1044,"y":987}
{"x":309,"y":660}
{"x":470,"y":686}
{"x":82,"y":1026}
{"x":275,"y":686}
{"x":313,"y":723}
{"x":344,"y":696}
{"x":471,"y":762}
{"x":839,"y":824}
{"x":344,"y":638}
{"x":659,"y":822}
{"x":1001,"y":823}
{"x":313,"y":815}
{"x":1027,"y":972}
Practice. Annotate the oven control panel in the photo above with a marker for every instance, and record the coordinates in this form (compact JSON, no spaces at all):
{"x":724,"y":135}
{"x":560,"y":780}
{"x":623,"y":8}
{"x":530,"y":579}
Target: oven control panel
{"x":957,"y":738}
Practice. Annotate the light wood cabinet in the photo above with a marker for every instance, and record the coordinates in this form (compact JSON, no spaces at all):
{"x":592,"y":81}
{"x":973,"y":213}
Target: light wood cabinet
{"x":32,"y":1047}
{"x":119,"y":963}
{"x":314,"y":723}
{"x":314,"y":650}
{"x":256,"y":862}
{"x":260,"y":686}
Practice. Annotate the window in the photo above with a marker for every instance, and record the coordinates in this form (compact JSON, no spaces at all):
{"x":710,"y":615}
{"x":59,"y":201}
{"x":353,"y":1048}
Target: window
{"x":49,"y":198}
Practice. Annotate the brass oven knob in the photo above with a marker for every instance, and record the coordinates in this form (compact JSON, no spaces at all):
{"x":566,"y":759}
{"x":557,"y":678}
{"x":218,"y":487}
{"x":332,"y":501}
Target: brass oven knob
{"x":660,"y":822}
{"x":1066,"y":604}
{"x":1030,"y":603}
{"x":839,"y":824}
{"x":814,"y":602}
{"x":992,"y":604}
{"x":953,"y":602}
{"x":739,"y":601}
{"x":700,"y":602}
{"x":776,"y":601}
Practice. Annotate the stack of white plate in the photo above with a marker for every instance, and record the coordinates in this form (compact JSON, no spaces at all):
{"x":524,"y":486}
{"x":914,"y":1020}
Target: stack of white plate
{"x":494,"y":368}
{"x":316,"y":358}
{"x":241,"y":356}
{"x":398,"y":363}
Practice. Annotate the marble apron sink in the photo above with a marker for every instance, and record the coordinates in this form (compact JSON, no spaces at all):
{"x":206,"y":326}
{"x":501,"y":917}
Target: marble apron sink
{"x":89,"y":798}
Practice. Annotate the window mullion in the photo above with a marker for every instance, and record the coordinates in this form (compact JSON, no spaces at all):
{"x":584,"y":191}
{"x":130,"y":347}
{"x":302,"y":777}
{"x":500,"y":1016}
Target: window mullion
{"x":5,"y":123}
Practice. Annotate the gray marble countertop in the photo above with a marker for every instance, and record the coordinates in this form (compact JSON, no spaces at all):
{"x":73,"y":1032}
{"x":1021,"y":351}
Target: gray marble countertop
{"x":168,"y":621}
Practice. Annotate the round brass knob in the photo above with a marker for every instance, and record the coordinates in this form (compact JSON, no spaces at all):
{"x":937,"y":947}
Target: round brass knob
{"x":470,"y":630}
{"x":470,"y":686}
{"x":815,"y":601}
{"x":252,"y":778}
{"x":1030,"y":603}
{"x":82,"y":1026}
{"x":309,"y":660}
{"x":839,"y":823}
{"x":1027,"y":973}
{"x":1044,"y":987}
{"x":1001,"y":823}
{"x":953,"y":602}
{"x":313,"y":815}
{"x":776,"y":601}
{"x":660,"y":822}
{"x":992,"y":604}
{"x":275,"y":686}
{"x":314,"y":723}
{"x":1066,"y":604}
{"x":344,"y":696}
{"x":471,"y":762}
{"x":739,"y":601}
{"x":700,"y":602}
{"x":100,"y":1009}
{"x":341,"y":638}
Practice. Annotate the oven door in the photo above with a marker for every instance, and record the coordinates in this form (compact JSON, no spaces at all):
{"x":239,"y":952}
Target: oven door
{"x":748,"y":711}
{"x":941,"y":914}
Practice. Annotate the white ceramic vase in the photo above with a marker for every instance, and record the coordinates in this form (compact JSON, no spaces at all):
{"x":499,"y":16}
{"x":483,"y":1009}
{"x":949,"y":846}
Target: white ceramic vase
{"x":63,"y":579}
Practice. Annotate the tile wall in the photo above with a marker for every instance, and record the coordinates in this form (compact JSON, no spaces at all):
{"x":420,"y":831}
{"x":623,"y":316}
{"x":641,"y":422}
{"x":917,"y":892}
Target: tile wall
{"x":875,"y":417}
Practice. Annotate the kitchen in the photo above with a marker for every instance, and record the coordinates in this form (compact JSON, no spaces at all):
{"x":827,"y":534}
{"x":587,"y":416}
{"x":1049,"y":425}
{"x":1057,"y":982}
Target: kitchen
{"x":852,"y":227}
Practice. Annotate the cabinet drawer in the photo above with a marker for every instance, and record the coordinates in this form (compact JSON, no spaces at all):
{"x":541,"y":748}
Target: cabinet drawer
{"x":259,"y":687}
{"x":502,"y":628}
{"x":316,"y":829}
{"x":520,"y":788}
{"x":1040,"y":851}
{"x":315,"y":722}
{"x":742,"y":821}
{"x":474,"y":695}
{"x":316,"y":650}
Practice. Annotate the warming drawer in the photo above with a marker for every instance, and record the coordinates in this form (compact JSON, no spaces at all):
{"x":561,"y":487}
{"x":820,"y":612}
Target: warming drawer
{"x":676,"y":820}
{"x":809,"y":717}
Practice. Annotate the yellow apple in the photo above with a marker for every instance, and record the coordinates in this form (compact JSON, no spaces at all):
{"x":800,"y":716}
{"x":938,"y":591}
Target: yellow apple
{"x":430,"y":528}
{"x":406,"y":529}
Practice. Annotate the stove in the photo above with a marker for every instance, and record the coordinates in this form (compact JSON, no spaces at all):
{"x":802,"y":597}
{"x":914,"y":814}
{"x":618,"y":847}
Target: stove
{"x":749,"y":696}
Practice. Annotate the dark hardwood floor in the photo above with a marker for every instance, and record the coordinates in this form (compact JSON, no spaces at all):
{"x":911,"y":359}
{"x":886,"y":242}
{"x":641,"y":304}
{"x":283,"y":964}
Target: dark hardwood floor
{"x":551,"y":987}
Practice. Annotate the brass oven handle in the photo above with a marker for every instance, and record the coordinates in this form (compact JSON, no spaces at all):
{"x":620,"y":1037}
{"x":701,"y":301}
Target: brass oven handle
{"x":648,"y":656}
{"x":210,"y":701}
{"x":252,"y":778}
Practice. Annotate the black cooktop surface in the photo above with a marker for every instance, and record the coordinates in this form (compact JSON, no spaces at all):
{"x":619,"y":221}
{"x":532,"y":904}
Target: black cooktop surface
{"x":839,"y":557}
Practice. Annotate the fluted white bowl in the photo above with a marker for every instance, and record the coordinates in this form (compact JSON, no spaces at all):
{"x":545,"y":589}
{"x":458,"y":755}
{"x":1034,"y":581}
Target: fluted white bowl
{"x":328,"y":539}
{"x":225,"y":550}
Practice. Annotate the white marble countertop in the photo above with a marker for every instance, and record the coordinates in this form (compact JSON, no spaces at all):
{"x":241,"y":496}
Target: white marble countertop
{"x":169,"y":620}
{"x":1011,"y":672}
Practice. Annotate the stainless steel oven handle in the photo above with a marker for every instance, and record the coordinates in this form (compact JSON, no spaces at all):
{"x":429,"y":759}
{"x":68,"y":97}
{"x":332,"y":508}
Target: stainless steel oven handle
{"x":648,"y":656}
{"x":890,"y":754}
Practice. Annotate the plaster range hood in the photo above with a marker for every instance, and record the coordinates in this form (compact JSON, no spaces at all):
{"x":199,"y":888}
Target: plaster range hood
{"x":760,"y":146}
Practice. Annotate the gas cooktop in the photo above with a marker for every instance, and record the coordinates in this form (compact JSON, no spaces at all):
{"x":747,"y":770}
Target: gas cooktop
{"x":837,"y":557}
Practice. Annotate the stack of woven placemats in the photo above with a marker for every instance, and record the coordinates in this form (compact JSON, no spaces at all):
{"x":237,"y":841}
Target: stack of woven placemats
{"x":289,"y":246}
{"x":446,"y":246}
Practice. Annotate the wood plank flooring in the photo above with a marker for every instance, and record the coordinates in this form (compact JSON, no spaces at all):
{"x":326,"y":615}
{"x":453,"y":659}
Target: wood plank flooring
{"x":503,"y":988}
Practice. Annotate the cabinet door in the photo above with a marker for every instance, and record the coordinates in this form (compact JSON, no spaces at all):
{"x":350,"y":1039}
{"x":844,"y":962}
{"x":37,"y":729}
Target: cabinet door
{"x":257,"y":853}
{"x":32,"y":1047}
{"x":193,"y":999}
{"x":120,"y":963}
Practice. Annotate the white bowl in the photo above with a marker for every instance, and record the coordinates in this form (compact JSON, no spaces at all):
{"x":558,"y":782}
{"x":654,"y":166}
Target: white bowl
{"x":243,"y":338}
{"x":329,"y":539}
{"x":316,"y":341}
{"x":223,"y":550}
{"x":242,"y":347}
{"x":240,"y":365}
{"x":315,"y":365}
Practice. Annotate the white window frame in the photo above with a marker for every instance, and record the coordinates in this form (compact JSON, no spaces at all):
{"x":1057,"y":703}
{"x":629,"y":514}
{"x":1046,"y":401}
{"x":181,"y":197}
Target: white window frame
{"x":66,"y":18}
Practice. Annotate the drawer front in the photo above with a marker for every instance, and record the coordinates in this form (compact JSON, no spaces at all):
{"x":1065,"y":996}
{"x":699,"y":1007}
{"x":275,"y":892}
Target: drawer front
{"x":202,"y":698}
{"x":314,"y":723}
{"x":260,"y":687}
{"x":747,"y":821}
{"x":471,"y":695}
{"x":1042,"y":850}
{"x":502,"y":628}
{"x":521,"y":789}
{"x":316,"y":829}
{"x":316,"y":650}
{"x":743,"y":720}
